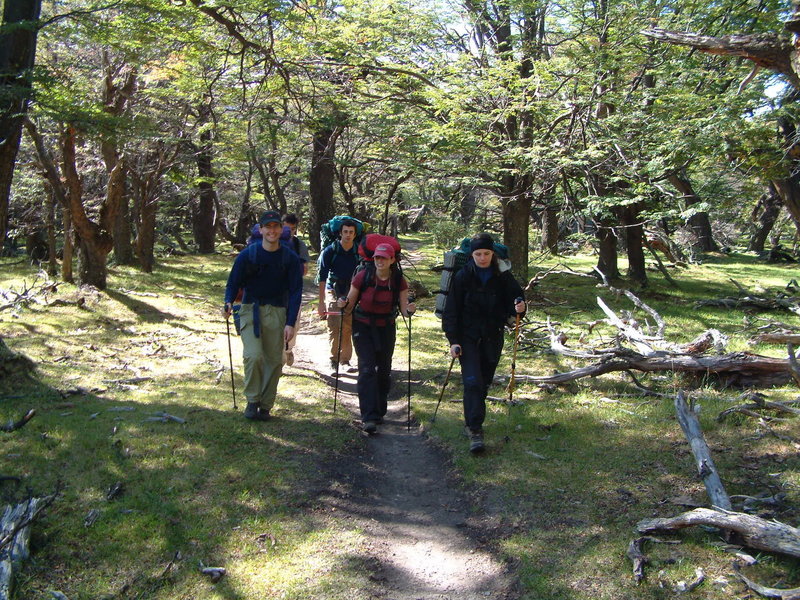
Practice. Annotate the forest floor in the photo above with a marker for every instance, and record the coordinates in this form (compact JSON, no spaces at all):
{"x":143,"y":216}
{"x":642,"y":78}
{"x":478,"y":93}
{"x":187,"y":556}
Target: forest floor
{"x":424,"y":537}
{"x":307,"y":506}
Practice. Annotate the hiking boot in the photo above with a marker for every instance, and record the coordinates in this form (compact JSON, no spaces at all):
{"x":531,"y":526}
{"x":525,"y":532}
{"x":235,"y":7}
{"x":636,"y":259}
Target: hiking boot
{"x":289,"y":358}
{"x":370,"y":426}
{"x":349,"y":368}
{"x":476,"y":441}
{"x":254,"y":412}
{"x":334,"y":367}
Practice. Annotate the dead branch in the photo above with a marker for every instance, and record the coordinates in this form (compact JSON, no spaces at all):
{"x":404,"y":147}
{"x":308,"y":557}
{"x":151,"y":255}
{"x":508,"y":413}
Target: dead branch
{"x":542,"y":275}
{"x":759,"y":402}
{"x":771,"y":536}
{"x":13,"y":426}
{"x":636,"y":554}
{"x":699,"y":577}
{"x":747,"y":299}
{"x":766,"y":592}
{"x":777,"y":338}
{"x":706,"y":468}
{"x":794,"y":369}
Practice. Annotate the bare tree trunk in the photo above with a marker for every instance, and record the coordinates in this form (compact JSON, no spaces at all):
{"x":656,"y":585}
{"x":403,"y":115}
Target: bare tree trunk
{"x":146,"y":237}
{"x":698,"y":222}
{"x":94,"y":239}
{"x":550,"y":229}
{"x":69,"y":248}
{"x":50,"y":223}
{"x":204,"y":214}
{"x":634,"y":237}
{"x":607,"y":252}
{"x":769,"y":206}
{"x":17,"y":53}
{"x":321,"y":207}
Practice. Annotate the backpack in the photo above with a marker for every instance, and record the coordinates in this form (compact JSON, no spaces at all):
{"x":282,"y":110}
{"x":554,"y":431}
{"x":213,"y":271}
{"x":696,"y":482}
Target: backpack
{"x":372,"y":240}
{"x":454,"y":261}
{"x":329,"y":232}
{"x":366,"y":263}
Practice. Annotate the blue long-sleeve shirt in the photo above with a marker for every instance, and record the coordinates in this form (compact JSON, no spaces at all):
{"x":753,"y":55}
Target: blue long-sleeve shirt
{"x":336,"y":266}
{"x":276,"y":278}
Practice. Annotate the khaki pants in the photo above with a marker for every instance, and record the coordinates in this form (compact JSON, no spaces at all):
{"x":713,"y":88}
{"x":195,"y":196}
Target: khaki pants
{"x":262,"y":355}
{"x":334,"y":323}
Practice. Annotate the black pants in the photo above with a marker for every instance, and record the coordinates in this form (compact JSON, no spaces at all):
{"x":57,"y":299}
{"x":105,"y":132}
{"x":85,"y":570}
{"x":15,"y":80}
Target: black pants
{"x":478,"y":360}
{"x":374,"y":346}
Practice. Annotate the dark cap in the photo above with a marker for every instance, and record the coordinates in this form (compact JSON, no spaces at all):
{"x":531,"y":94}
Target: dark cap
{"x":481,"y":241}
{"x":271,"y":216}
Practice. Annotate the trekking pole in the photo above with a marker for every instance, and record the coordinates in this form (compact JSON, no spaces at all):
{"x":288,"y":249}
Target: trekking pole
{"x":408,"y":420}
{"x":441,"y":394}
{"x":339,"y":354}
{"x":512,"y":381}
{"x":230,"y":357}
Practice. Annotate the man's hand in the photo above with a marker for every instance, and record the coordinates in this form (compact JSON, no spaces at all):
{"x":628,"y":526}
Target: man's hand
{"x":411,"y":308}
{"x":455,"y":350}
{"x":519,"y":305}
{"x":321,"y":311}
{"x":227,"y":310}
{"x":288,"y":333}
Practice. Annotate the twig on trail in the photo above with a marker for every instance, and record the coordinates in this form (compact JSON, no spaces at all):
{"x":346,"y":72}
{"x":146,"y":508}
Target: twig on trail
{"x":13,"y":426}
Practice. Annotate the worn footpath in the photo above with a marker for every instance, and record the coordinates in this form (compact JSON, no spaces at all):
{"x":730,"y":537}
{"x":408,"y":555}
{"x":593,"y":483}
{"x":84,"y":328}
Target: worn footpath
{"x":423,"y":539}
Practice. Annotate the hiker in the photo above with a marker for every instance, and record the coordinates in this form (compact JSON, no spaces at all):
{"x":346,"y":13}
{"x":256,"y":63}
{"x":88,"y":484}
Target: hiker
{"x":375,"y":293}
{"x":271,"y":277}
{"x":336,"y":265}
{"x":481,"y":302}
{"x":300,"y":248}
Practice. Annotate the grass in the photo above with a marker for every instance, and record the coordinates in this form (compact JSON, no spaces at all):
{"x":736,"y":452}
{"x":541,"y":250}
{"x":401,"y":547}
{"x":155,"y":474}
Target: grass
{"x":585,"y":462}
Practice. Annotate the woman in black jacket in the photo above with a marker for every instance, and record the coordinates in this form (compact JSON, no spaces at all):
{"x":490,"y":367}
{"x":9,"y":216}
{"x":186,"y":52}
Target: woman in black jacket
{"x":481,"y":301}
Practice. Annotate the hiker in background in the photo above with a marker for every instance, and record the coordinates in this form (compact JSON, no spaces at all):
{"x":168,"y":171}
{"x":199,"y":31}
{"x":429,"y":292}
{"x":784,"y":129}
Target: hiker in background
{"x":300,"y":248}
{"x":270,"y":275}
{"x":336,"y":265}
{"x":376,"y":292}
{"x":481,"y":302}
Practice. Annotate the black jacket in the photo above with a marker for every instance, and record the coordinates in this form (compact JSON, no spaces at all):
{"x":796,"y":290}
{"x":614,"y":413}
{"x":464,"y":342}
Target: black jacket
{"x":474,"y":311}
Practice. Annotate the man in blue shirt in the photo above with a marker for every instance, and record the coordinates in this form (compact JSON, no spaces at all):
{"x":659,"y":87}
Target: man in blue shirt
{"x":271,"y":276}
{"x":336,"y":265}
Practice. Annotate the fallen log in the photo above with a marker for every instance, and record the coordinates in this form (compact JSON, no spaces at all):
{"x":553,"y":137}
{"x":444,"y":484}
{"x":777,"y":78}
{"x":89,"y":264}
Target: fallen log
{"x":706,"y":468}
{"x":14,"y":538}
{"x":755,"y":532}
{"x":738,"y":369}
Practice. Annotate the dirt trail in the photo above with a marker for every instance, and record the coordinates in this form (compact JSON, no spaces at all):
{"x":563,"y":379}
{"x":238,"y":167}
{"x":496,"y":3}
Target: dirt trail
{"x":423,"y":535}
